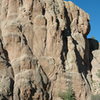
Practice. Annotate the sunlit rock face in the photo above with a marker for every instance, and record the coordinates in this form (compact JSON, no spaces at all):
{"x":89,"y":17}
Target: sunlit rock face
{"x":96,"y":72}
{"x":42,"y":44}
{"x":95,"y":63}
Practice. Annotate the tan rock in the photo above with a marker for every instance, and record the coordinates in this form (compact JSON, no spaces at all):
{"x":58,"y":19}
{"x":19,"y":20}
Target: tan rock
{"x":43,"y":41}
{"x":96,"y":72}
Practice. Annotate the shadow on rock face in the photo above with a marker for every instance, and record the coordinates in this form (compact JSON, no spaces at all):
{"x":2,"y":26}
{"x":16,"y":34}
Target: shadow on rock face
{"x":93,"y":44}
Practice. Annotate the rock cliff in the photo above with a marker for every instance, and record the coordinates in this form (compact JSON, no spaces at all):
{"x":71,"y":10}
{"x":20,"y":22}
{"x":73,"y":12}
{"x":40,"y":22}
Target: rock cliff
{"x":95,"y":63}
{"x":43,"y":50}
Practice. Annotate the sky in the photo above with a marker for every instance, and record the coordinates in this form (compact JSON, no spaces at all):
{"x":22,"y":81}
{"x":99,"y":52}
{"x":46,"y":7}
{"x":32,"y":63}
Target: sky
{"x":92,"y":7}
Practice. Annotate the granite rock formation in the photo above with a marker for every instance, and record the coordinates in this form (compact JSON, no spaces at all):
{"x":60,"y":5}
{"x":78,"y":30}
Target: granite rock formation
{"x":43,"y":49}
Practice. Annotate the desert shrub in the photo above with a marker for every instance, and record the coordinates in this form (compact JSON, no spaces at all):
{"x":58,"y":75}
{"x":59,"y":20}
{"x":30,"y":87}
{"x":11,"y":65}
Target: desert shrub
{"x":95,"y":97}
{"x":92,"y":37}
{"x":68,"y":95}
{"x":98,"y":74}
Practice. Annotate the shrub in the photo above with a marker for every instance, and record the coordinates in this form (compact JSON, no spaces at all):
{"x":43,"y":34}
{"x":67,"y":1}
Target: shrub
{"x":68,"y":95}
{"x":98,"y":74}
{"x":92,"y":37}
{"x":95,"y":97}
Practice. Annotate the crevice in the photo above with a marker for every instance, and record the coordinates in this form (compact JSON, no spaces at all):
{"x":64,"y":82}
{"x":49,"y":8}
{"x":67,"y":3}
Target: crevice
{"x":21,"y":2}
{"x":68,"y":22}
{"x":66,"y":32}
{"x":43,"y":11}
{"x":12,"y":86}
{"x":52,"y":18}
{"x":57,"y":21}
{"x":64,"y":48}
{"x":26,"y":42}
{"x":20,"y":28}
{"x":44,"y":84}
{"x":5,"y":58}
{"x":30,"y":11}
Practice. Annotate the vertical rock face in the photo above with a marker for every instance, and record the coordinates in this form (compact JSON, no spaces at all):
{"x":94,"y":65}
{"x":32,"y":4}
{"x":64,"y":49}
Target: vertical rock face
{"x":96,"y":71}
{"x":42,"y":43}
{"x":95,"y":62}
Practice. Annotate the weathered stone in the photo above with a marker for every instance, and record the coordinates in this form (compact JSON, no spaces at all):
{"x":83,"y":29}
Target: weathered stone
{"x":96,"y":71}
{"x":43,"y":42}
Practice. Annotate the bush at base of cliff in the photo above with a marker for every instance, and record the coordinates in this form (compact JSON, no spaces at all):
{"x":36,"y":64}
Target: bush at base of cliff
{"x":68,"y":95}
{"x":95,"y":97}
{"x":98,"y":74}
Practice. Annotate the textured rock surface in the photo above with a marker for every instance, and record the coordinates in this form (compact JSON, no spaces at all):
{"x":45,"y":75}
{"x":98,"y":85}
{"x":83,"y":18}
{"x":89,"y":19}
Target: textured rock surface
{"x":42,"y":43}
{"x":95,"y":62}
{"x":96,"y":71}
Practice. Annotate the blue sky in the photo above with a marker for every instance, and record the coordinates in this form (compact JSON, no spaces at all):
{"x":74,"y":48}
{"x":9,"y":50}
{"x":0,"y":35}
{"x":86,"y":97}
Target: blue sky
{"x":92,"y":7}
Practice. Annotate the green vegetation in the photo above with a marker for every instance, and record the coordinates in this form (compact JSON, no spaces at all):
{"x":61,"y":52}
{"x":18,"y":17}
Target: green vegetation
{"x":68,"y":95}
{"x":95,"y":97}
{"x":92,"y":37}
{"x":98,"y":74}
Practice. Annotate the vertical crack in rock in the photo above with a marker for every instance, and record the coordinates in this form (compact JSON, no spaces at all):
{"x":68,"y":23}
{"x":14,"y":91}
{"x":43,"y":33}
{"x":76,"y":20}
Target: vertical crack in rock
{"x":6,"y":76}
